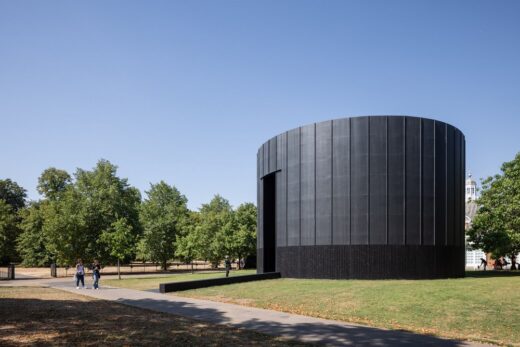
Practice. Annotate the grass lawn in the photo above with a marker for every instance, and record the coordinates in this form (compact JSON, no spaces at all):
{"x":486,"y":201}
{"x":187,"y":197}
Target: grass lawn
{"x":483,"y":306}
{"x":44,"y":316}
{"x":152,"y":282}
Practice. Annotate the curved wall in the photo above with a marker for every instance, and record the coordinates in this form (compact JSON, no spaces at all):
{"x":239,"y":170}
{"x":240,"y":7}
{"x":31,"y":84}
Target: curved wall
{"x":363,"y":197}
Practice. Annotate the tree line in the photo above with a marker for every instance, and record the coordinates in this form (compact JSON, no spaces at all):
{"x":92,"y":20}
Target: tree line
{"x":97,"y":215}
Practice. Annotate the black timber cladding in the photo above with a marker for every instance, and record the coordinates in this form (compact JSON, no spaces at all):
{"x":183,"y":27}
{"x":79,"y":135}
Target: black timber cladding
{"x":368,"y":181}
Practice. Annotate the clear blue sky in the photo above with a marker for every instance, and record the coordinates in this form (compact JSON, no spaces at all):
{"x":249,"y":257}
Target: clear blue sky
{"x":187,"y":91}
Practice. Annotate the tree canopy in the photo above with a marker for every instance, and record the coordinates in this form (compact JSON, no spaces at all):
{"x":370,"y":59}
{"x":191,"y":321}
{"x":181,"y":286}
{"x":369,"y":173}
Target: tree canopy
{"x":12,"y":200}
{"x":496,"y":226}
{"x":12,"y":194}
{"x":86,"y":209}
{"x":32,"y":242}
{"x":53,"y":182}
{"x":163,"y":213}
{"x":9,"y":232}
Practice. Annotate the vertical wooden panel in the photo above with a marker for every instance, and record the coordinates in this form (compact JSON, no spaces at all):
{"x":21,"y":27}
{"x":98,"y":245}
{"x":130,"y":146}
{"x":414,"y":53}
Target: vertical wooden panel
{"x":281,"y":190}
{"x":260,"y":202}
{"x":266,"y":158}
{"x":396,"y":180}
{"x":341,"y":182}
{"x":428,"y":181}
{"x":413,"y":181}
{"x":450,"y":185}
{"x":440,"y":183}
{"x":457,"y":188}
{"x":359,"y":181}
{"x":293,"y":187}
{"x":378,"y":188}
{"x":324,"y":183}
{"x":281,"y":146}
{"x":308,"y":193}
{"x":272,"y":154}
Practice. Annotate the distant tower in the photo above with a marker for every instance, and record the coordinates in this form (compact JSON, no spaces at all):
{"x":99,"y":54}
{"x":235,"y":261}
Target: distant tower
{"x":471,"y":189}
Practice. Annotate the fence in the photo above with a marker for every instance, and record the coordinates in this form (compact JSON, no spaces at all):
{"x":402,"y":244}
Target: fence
{"x":134,"y":268}
{"x":7,"y":272}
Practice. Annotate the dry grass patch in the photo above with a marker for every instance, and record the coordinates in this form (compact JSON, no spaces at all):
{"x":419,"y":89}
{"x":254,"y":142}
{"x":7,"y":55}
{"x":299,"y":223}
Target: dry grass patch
{"x":45,"y":316}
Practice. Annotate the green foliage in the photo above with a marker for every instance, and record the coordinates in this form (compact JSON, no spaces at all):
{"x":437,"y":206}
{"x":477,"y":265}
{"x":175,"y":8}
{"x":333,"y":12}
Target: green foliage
{"x":98,"y":215}
{"x":12,"y":194}
{"x":214,"y":230}
{"x":187,"y":246}
{"x":496,"y":226}
{"x":243,"y":241}
{"x":86,"y":209}
{"x":163,"y":214}
{"x":119,"y":240}
{"x":66,"y":228}
{"x":53,"y":182}
{"x":141,"y":251}
{"x":9,"y":231}
{"x":12,"y":200}
{"x":217,"y":231}
{"x":32,"y":241}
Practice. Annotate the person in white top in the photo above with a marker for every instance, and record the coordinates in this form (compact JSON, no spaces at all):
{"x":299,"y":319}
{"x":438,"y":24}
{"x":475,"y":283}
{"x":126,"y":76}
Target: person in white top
{"x":80,"y":274}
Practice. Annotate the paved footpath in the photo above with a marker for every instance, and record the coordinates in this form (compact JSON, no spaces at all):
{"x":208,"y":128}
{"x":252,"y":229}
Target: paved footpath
{"x":307,"y":329}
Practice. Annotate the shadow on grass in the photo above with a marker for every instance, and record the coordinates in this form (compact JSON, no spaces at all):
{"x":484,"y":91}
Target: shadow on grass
{"x":492,"y":273}
{"x":296,"y":327}
{"x":25,"y":322}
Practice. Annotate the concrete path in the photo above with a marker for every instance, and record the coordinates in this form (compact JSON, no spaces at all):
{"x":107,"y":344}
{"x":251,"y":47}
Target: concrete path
{"x":308,"y":329}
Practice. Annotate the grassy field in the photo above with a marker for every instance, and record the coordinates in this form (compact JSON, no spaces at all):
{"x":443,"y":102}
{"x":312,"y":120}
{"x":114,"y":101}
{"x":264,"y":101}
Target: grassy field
{"x":152,"y":282}
{"x":43,"y":316}
{"x":482,"y":306}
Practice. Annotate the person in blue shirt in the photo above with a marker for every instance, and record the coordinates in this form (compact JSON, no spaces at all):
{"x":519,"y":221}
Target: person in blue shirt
{"x":96,"y":274}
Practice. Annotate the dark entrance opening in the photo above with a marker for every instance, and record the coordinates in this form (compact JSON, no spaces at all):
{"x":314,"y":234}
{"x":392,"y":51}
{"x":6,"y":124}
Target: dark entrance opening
{"x":269,"y":209}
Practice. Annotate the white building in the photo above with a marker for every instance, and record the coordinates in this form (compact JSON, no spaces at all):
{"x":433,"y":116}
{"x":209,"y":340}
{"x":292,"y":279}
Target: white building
{"x":473,"y":256}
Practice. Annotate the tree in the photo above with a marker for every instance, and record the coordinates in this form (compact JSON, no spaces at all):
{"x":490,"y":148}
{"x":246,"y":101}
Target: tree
{"x":496,"y":226}
{"x":87,"y":208}
{"x":66,"y":229}
{"x":163,"y":213}
{"x":119,"y":241}
{"x":9,"y":231}
{"x":53,"y":182}
{"x":243,"y":242}
{"x":105,"y":199}
{"x":32,"y":243}
{"x":214,"y":230}
{"x":187,"y":248}
{"x":12,"y":200}
{"x":12,"y":194}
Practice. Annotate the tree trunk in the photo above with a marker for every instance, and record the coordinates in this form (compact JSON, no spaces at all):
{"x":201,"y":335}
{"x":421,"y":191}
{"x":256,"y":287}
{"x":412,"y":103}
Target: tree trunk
{"x":164,"y":265}
{"x":192,"y":267}
{"x":513,"y":262}
{"x":118,"y":269}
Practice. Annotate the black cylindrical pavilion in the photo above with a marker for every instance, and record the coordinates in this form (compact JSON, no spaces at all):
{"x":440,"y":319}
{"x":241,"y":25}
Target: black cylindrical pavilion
{"x":363,"y":197}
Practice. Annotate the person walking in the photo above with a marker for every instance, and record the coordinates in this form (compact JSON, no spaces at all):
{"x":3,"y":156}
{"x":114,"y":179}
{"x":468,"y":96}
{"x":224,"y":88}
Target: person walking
{"x":96,"y":274}
{"x":483,"y":262}
{"x":80,"y":274}
{"x":227,"y":263}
